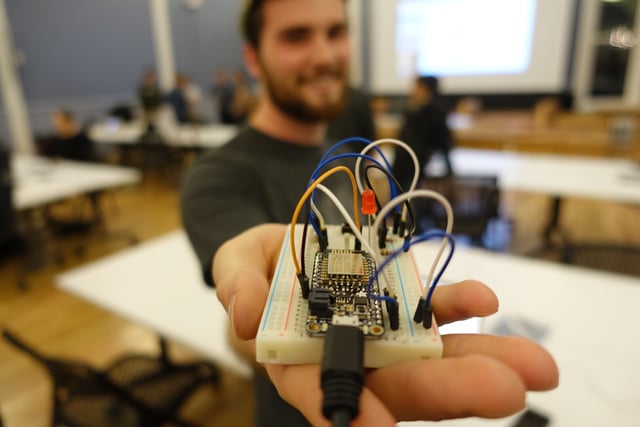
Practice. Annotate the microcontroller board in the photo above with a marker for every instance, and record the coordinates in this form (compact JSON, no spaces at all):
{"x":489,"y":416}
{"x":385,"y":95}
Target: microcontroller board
{"x":341,"y":291}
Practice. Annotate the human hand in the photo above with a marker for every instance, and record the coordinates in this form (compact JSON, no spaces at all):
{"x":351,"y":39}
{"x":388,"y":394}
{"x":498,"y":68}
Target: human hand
{"x":479,"y":375}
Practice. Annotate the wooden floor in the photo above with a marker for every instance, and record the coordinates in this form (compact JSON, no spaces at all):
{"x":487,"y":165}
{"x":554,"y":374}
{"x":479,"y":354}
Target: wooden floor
{"x":64,"y":325}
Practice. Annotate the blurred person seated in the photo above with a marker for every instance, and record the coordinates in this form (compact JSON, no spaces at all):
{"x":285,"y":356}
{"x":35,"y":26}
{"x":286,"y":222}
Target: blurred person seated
{"x":424,"y":129}
{"x":544,"y":112}
{"x":233,"y":96}
{"x":219,"y":91}
{"x":185,"y":99}
{"x":150,"y":96}
{"x":69,"y":140}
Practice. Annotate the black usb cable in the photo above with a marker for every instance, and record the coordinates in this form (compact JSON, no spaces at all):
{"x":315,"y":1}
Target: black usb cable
{"x":342,"y":373}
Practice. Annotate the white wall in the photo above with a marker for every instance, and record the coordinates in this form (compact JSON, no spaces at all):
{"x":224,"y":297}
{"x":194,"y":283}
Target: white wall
{"x":547,"y":69}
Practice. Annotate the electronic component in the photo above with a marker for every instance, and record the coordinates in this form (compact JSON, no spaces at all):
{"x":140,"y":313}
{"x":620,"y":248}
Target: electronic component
{"x":531,"y":418}
{"x":292,"y":328}
{"x":339,"y":288}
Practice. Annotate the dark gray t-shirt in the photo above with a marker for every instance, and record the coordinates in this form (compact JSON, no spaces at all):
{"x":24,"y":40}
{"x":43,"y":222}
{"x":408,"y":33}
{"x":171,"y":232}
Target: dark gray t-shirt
{"x":253,"y":179}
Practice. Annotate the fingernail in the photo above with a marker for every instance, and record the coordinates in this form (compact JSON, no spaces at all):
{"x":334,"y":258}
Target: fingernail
{"x":230,"y":311}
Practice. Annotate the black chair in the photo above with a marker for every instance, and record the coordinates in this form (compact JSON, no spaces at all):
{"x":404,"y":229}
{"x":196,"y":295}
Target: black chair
{"x":84,"y":214}
{"x":81,"y":217}
{"x":136,"y":390}
{"x":7,"y":215}
{"x":475,"y":200}
{"x":23,"y":233}
{"x":122,"y":112}
{"x":12,"y":241}
{"x":157,"y":157}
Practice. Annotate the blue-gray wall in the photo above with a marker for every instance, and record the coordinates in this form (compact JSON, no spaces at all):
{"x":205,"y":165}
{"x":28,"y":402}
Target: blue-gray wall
{"x":89,"y":55}
{"x":207,"y":39}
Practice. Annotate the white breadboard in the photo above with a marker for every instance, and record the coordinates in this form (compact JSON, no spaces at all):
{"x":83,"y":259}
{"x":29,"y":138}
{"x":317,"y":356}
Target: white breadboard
{"x":282,"y":338}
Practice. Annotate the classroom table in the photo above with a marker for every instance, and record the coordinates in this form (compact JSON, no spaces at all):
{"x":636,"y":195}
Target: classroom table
{"x":38,"y":181}
{"x":112,"y":132}
{"x":586,"y":318}
{"x":159,"y":284}
{"x":557,"y":176}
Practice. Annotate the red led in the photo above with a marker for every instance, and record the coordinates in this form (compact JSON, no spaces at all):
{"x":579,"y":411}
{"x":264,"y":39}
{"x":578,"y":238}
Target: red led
{"x":369,"y":202}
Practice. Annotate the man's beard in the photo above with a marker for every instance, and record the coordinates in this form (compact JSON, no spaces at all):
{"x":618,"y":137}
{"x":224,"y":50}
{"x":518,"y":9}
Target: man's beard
{"x":295,"y":105}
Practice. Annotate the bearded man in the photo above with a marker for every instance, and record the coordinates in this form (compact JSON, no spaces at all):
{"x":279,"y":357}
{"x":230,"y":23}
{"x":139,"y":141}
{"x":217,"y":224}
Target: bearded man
{"x":298,"y":50}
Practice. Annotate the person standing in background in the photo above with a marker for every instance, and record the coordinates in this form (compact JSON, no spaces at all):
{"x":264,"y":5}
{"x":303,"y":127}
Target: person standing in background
{"x":184,"y":99}
{"x":220,"y":92}
{"x":233,"y":96}
{"x":242,"y":101}
{"x":150,"y":96}
{"x":425,"y":130}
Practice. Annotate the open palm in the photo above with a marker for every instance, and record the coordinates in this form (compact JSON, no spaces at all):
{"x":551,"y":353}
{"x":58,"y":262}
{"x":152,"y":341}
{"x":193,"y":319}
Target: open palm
{"x":479,"y":375}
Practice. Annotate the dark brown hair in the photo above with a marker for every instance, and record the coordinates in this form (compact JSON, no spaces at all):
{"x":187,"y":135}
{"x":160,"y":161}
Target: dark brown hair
{"x":251,"y":21}
{"x":430,"y":82}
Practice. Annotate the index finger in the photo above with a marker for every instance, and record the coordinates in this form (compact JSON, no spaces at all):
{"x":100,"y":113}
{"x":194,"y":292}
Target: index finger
{"x":463,"y":300}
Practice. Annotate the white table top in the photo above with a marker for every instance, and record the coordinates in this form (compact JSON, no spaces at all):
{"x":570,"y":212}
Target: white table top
{"x":557,"y":175}
{"x":39,"y":181}
{"x":203,"y":136}
{"x":159,"y":284}
{"x":591,"y":318}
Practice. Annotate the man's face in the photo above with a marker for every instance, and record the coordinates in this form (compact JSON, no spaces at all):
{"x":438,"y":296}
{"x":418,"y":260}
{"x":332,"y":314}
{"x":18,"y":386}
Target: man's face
{"x":304,"y":57}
